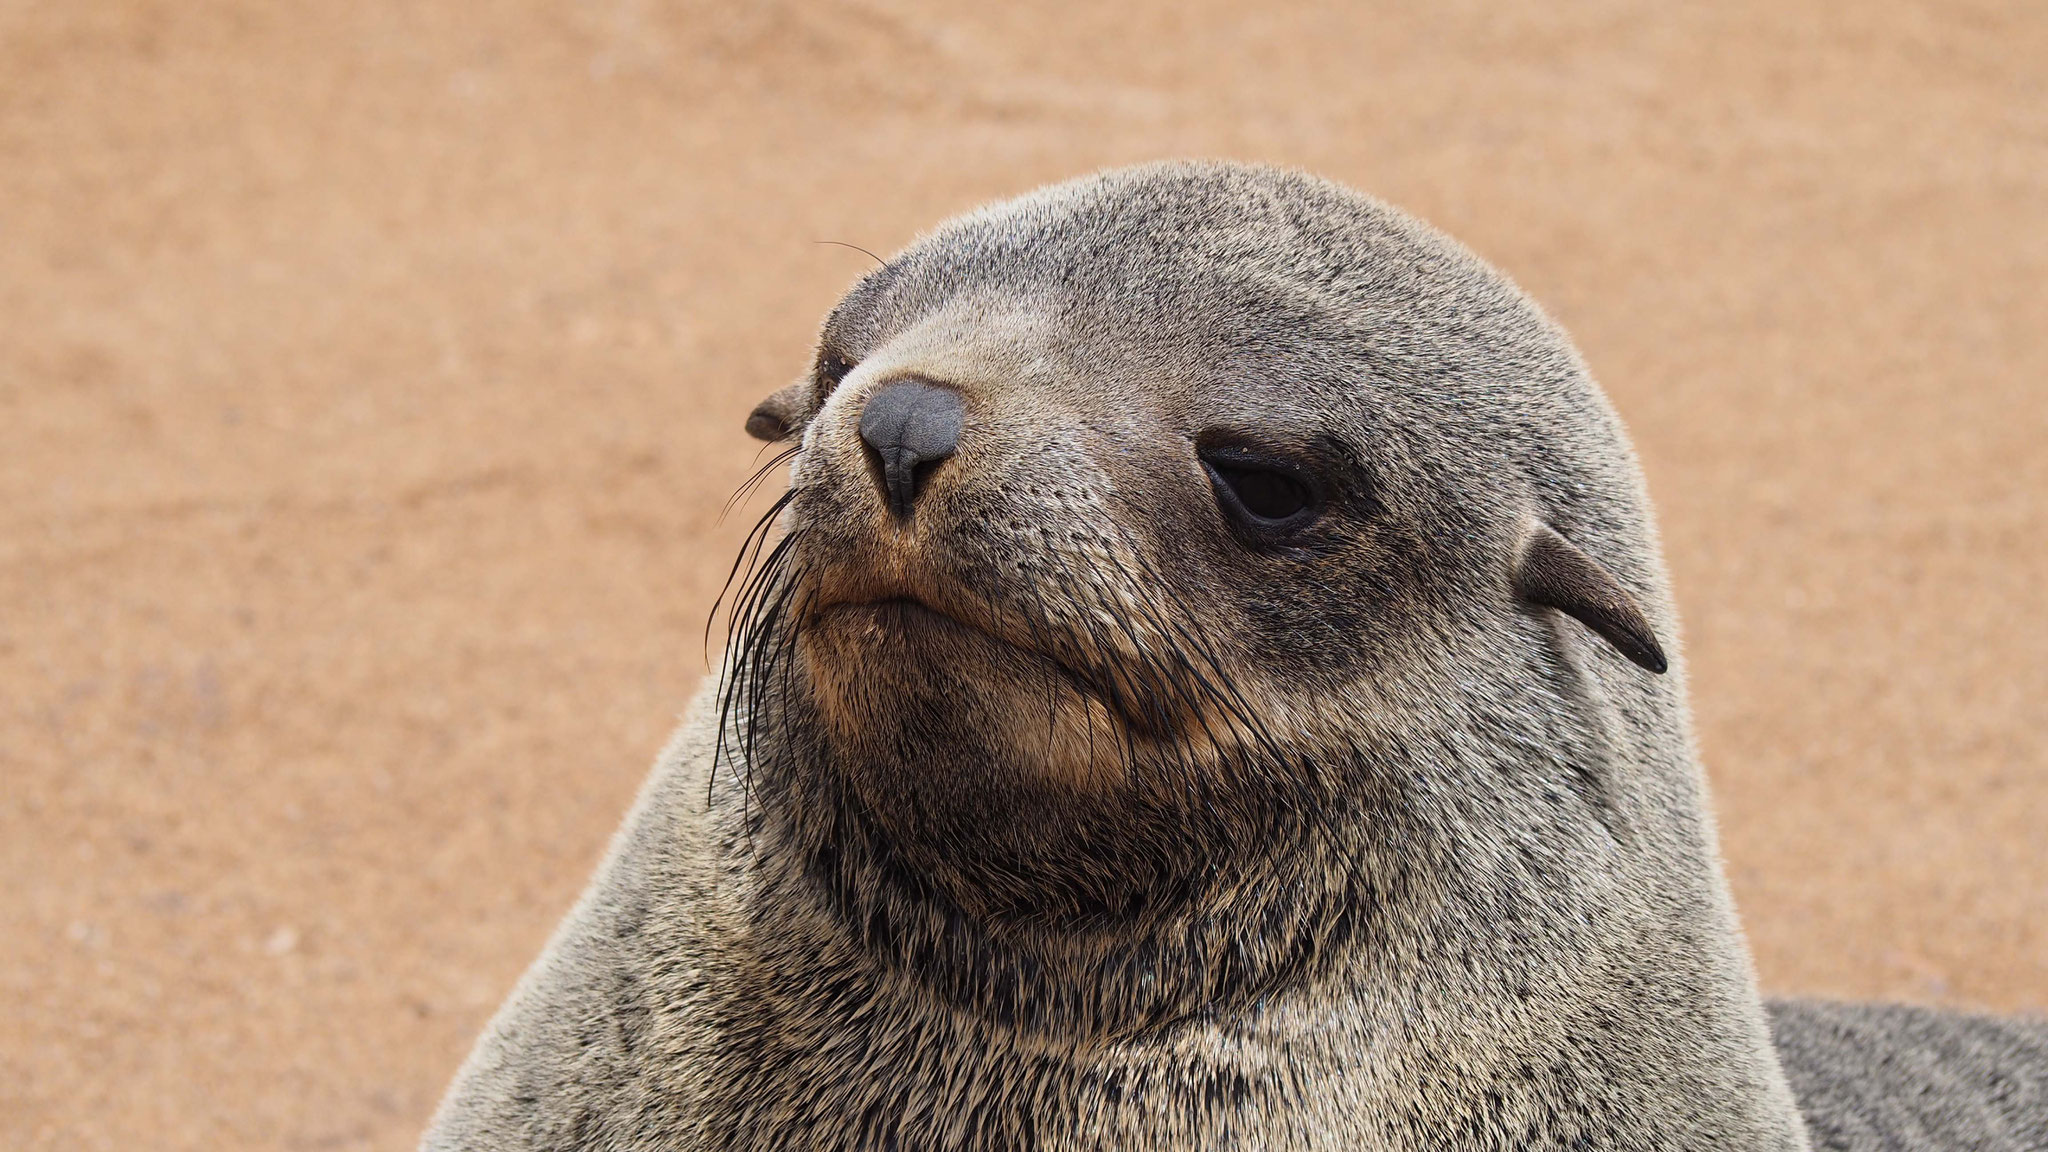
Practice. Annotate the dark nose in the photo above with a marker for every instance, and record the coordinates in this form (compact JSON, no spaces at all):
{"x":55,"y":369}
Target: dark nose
{"x":909,"y":427}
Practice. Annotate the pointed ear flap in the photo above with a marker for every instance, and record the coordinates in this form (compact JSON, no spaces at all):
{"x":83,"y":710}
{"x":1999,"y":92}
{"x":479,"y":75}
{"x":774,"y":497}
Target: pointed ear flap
{"x":782,"y":415}
{"x":1551,"y":571}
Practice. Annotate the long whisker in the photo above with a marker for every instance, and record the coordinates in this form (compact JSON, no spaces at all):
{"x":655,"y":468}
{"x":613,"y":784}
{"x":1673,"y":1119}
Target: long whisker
{"x":857,"y":248}
{"x":746,"y":487}
{"x":750,"y":551}
{"x":759,"y":621}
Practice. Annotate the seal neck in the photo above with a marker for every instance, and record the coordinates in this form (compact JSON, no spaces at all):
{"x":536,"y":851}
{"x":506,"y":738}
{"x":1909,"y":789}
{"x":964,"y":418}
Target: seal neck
{"x":1253,"y":919}
{"x":1521,"y":951}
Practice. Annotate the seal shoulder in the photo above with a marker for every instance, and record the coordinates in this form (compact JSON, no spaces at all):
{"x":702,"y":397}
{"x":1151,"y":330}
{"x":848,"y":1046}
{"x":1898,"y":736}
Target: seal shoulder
{"x":581,"y":1024}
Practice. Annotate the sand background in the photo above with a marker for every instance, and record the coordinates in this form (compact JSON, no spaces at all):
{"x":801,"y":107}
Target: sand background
{"x":371,"y":375}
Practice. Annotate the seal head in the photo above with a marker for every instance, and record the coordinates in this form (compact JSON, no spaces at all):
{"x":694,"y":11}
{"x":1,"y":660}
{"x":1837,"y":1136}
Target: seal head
{"x":1282,"y":580}
{"x":1161,"y":496}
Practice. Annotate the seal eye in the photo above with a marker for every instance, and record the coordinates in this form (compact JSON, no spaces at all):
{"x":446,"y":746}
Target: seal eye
{"x":1259,"y":493}
{"x":832,"y":368}
{"x":1266,"y":495}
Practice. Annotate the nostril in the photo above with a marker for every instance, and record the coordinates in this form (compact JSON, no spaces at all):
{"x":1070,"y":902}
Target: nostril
{"x":909,"y":427}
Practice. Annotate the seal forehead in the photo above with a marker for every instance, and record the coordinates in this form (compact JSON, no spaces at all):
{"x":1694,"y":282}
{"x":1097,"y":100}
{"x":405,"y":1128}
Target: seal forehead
{"x":1148,"y":237}
{"x":1247,"y":274}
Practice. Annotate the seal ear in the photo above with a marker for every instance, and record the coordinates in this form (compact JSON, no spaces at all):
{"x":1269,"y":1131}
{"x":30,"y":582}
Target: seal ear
{"x":782,"y":415}
{"x":1551,"y":571}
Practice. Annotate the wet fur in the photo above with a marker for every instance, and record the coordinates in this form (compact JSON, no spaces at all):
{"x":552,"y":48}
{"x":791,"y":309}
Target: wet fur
{"x":1128,"y":835}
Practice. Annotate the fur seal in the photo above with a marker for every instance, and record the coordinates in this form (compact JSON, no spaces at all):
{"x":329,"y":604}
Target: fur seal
{"x":1211,"y":683}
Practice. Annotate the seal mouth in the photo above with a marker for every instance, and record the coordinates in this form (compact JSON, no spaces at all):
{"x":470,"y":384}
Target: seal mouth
{"x":900,"y":612}
{"x":903,"y":613}
{"x":895,"y":602}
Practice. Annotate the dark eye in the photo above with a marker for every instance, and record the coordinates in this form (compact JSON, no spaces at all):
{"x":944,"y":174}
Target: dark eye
{"x":1266,"y":495}
{"x":832,"y":368}
{"x":1263,"y":495}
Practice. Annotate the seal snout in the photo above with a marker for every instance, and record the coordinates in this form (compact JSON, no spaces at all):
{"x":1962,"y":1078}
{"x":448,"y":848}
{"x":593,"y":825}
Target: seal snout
{"x":909,"y":427}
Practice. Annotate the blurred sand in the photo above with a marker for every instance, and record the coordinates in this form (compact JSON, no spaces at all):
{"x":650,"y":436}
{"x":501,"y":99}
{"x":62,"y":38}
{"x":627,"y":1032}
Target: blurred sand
{"x":372,"y":373}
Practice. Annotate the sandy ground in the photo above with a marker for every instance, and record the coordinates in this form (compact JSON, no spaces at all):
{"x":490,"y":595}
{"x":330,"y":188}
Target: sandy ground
{"x":371,"y":375}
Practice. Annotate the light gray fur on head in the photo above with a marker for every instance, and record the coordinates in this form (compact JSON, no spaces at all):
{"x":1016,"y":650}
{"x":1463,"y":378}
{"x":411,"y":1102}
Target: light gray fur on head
{"x":1172,"y":838}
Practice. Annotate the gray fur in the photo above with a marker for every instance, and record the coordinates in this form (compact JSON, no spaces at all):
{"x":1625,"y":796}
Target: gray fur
{"x":1894,"y":1078}
{"x":1058,"y":816}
